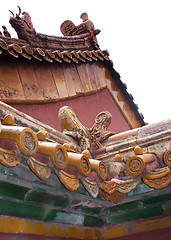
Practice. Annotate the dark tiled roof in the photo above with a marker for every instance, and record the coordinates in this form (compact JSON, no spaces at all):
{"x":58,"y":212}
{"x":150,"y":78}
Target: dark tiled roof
{"x":18,"y":48}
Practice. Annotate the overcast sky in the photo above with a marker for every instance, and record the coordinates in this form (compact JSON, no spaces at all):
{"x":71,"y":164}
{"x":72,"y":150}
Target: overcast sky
{"x":137,"y":34}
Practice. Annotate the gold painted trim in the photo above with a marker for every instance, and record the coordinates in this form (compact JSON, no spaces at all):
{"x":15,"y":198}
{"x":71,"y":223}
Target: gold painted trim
{"x":22,"y":226}
{"x":137,"y":227}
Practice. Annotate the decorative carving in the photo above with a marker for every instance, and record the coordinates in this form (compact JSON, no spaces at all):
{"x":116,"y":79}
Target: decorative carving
{"x":127,"y":185}
{"x":69,"y":181}
{"x":114,"y":197}
{"x":28,"y":141}
{"x":91,"y":187}
{"x":60,"y":156}
{"x":158,"y":179}
{"x":24,"y":27}
{"x":72,"y":127}
{"x":145,"y":162}
{"x":136,"y":164}
{"x":85,"y":165}
{"x":5,"y":32}
{"x":167,"y":157}
{"x":68,"y":28}
{"x":9,"y":158}
{"x":108,"y":187}
{"x":41,"y":170}
{"x":98,"y":133}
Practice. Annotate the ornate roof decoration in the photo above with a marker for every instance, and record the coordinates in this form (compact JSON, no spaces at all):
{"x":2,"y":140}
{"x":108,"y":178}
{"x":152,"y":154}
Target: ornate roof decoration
{"x":68,"y":28}
{"x":68,"y":49}
{"x":126,"y":160}
{"x":81,"y":39}
{"x":86,"y":182}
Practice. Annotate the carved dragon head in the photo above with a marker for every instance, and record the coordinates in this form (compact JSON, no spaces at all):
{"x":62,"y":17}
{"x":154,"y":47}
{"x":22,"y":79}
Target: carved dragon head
{"x":22,"y":24}
{"x":72,"y":127}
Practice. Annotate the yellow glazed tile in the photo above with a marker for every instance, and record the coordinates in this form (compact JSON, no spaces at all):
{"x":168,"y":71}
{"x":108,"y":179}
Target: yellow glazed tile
{"x":150,"y":225}
{"x":10,"y":225}
{"x":57,"y":230}
{"x":29,"y":227}
{"x":74,"y":232}
{"x":115,"y":232}
{"x":89,"y":233}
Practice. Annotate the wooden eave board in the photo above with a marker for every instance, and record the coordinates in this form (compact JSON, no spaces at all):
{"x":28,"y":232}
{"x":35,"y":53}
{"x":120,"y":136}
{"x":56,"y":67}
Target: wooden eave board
{"x":69,"y":80}
{"x":59,"y":79}
{"x":29,"y":81}
{"x":11,"y":87}
{"x":76,"y":79}
{"x":85,"y":78}
{"x":92,"y":76}
{"x":101,"y":73}
{"x":46,"y":80}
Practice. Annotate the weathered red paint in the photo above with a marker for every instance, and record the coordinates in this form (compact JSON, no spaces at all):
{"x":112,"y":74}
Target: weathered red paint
{"x":91,"y":104}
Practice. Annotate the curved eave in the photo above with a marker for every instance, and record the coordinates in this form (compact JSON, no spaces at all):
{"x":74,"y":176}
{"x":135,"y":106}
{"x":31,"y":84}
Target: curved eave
{"x":20,"y":48}
{"x":9,"y":48}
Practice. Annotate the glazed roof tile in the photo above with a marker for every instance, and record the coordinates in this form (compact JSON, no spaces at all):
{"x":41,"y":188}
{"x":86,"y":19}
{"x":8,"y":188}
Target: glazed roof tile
{"x":29,"y":52}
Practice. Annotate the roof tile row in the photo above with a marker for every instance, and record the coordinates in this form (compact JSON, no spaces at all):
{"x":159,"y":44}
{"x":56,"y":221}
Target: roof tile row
{"x":29,"y":53}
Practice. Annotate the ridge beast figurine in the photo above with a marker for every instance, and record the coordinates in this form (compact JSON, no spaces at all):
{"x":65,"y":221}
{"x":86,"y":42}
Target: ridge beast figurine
{"x":23,"y":25}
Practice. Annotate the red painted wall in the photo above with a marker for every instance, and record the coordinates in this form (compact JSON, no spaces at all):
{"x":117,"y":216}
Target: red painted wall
{"x":85,"y":107}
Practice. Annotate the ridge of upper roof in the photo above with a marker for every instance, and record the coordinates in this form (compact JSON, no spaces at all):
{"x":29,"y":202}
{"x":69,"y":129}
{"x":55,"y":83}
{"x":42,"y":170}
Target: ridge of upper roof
{"x":17,"y":47}
{"x":81,"y":37}
{"x":79,"y":44}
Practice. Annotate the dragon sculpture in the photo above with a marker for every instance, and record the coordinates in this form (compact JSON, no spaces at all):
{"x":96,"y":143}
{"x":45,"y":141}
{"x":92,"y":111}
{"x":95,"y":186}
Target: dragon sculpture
{"x":87,"y":139}
{"x":23,"y":25}
{"x":129,"y":159}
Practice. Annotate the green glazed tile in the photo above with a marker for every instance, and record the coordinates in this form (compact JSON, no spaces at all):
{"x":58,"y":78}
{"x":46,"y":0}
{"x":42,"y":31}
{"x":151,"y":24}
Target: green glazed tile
{"x":137,"y":214}
{"x":45,"y":198}
{"x":61,"y":202}
{"x":12,"y":190}
{"x":88,"y":210}
{"x":51,"y":215}
{"x":18,"y":209}
{"x":93,"y":221}
{"x":167,"y":207}
{"x":157,"y":199}
{"x":64,"y":217}
{"x":126,"y":206}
